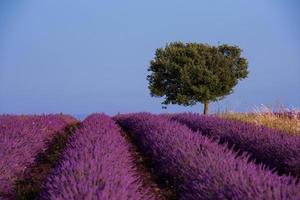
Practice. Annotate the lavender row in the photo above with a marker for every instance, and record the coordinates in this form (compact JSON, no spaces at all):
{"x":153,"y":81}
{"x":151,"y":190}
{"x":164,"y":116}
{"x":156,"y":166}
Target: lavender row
{"x":199,"y":168}
{"x":96,"y":164}
{"x":22,"y":138}
{"x":275,"y":149}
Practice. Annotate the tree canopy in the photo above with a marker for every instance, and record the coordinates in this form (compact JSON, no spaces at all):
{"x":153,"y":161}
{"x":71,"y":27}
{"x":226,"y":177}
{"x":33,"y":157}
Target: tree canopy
{"x":186,"y":74}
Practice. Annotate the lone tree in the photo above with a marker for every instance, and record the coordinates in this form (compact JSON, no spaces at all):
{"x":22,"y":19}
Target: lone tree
{"x":189,"y":73}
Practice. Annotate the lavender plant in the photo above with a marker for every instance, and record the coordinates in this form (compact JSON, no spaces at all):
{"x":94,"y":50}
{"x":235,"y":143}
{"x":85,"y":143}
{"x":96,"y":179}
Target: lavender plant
{"x":277,"y":150}
{"x":96,"y":164}
{"x":199,"y":168}
{"x":22,"y":138}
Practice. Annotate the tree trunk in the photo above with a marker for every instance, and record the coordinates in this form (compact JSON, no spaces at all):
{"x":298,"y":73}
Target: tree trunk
{"x":205,"y":111}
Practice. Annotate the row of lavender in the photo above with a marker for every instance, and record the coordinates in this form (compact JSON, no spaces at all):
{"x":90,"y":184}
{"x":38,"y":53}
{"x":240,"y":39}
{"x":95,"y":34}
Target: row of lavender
{"x":276,"y":150}
{"x":199,"y":168}
{"x":96,"y":164}
{"x":22,"y":138}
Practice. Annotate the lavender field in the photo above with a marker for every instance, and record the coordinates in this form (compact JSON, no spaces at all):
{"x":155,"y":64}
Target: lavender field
{"x":149,"y":100}
{"x":145,"y":156}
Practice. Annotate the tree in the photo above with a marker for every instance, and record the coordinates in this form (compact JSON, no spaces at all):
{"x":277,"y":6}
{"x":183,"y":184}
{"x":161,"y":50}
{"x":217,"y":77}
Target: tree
{"x":186,"y":74}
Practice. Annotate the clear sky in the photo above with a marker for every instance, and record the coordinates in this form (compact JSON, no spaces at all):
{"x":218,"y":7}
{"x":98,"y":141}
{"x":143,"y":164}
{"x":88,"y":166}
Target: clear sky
{"x":78,"y":56}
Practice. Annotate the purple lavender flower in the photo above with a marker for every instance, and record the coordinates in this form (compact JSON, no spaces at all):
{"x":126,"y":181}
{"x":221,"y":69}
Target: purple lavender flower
{"x":96,"y":164}
{"x":21,"y":139}
{"x":199,"y":168}
{"x":275,"y":149}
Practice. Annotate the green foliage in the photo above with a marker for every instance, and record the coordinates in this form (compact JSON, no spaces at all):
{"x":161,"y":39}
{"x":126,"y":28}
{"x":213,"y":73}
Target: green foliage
{"x":189,"y":73}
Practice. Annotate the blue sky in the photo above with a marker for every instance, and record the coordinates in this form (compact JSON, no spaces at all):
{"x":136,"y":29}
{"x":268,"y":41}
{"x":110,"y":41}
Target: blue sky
{"x":92,"y":56}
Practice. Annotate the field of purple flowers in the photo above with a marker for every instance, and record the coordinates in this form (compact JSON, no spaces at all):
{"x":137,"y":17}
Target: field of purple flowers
{"x":145,"y":156}
{"x":22,"y":138}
